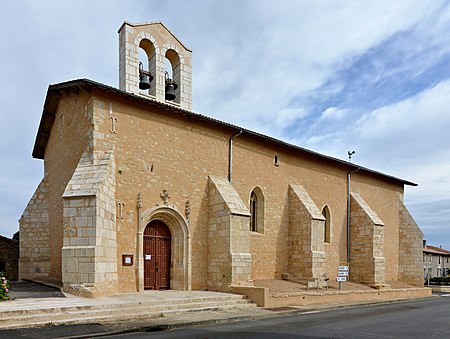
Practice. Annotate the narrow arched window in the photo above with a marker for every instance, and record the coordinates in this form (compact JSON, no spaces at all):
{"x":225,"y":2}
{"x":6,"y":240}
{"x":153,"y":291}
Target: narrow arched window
{"x":253,"y":211}
{"x":327,"y":226}
{"x":257,"y":211}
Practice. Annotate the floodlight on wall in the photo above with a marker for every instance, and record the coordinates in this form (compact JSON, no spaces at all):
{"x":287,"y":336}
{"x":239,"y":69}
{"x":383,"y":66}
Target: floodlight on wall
{"x":350,"y":153}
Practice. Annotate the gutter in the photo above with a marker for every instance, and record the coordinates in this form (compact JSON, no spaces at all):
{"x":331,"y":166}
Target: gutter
{"x":230,"y":154}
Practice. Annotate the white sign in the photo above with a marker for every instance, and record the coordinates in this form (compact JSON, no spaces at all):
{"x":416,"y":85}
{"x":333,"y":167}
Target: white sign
{"x":343,"y":274}
{"x":343,"y":268}
{"x":148,"y":257}
{"x":341,"y":279}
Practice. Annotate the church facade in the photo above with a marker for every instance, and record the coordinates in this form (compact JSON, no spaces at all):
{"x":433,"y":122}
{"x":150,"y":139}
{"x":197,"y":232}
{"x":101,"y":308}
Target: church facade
{"x":139,"y":192}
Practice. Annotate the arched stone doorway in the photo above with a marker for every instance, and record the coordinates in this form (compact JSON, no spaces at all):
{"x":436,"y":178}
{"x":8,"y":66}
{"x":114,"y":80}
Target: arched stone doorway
{"x":157,"y":258}
{"x":180,"y":247}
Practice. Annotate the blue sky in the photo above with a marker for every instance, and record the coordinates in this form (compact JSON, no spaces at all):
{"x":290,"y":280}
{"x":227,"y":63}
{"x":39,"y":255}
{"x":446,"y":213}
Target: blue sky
{"x":332,"y":76}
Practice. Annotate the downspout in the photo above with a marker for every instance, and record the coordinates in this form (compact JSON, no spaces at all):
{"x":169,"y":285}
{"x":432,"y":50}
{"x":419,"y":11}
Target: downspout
{"x":348,"y":213}
{"x":230,"y":154}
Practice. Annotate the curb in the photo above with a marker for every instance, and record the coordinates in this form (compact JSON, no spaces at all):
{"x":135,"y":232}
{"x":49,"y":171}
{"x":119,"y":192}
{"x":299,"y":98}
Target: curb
{"x":189,"y":324}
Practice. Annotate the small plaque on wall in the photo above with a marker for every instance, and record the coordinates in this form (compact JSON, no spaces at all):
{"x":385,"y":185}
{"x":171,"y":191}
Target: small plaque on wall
{"x":127,"y":259}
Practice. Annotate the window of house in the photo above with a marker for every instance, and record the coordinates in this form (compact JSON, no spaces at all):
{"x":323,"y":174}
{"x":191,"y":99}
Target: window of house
{"x":423,"y":257}
{"x":257,"y":211}
{"x":327,"y":226}
{"x":439,"y":259}
{"x":2,"y":266}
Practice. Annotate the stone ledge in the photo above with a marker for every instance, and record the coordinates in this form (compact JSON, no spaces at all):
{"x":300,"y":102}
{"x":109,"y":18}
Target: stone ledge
{"x":262,"y":297}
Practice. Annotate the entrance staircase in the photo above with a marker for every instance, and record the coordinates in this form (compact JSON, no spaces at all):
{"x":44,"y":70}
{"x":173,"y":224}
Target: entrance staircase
{"x":59,"y":311}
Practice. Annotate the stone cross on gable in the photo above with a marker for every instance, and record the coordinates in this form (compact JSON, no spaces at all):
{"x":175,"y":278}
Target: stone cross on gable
{"x":165,"y":197}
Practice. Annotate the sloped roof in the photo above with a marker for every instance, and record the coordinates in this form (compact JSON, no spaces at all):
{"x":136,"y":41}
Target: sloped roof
{"x":435,"y":250}
{"x":55,"y":91}
{"x":2,"y":238}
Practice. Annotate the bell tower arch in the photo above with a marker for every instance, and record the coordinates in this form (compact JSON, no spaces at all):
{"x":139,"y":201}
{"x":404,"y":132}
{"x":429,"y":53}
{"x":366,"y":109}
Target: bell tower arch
{"x":158,"y":43}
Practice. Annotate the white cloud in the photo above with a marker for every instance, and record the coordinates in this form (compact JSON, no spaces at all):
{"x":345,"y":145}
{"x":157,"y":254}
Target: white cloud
{"x":408,"y":139}
{"x":333,"y":113}
{"x":257,"y":63}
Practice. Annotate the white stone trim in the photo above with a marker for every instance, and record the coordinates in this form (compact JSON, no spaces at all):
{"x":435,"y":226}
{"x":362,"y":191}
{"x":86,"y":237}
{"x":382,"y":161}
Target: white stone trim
{"x":180,"y":275}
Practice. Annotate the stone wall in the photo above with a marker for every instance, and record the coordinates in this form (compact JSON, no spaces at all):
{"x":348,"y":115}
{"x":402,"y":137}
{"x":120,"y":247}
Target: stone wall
{"x":9,"y":257}
{"x":410,"y":261}
{"x":70,"y":136}
{"x":159,"y":43}
{"x":367,"y":264}
{"x":158,"y":148}
{"x":89,"y":250}
{"x":34,"y":262}
{"x":306,"y":236}
{"x":228,"y":237}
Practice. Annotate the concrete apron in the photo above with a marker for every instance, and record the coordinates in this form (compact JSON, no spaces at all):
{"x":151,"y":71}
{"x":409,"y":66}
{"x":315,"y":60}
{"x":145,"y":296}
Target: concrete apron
{"x":161,"y":305}
{"x":31,"y":312}
{"x":262,"y":297}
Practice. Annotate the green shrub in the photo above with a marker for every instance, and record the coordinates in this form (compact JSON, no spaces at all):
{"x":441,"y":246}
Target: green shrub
{"x":4,"y":287}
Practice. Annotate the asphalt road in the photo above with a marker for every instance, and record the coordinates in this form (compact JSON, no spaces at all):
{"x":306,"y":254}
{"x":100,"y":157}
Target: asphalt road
{"x":417,"y":319}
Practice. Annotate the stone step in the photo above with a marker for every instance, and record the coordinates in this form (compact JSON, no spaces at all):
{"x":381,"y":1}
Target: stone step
{"x":128,"y":312}
{"x":76,"y":306}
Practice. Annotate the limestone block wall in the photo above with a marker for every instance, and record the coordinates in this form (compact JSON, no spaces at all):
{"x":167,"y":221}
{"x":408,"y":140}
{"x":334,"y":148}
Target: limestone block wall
{"x":229,"y":261}
{"x":367,"y":263}
{"x":89,"y":250}
{"x":9,"y":256}
{"x":306,"y":235}
{"x":159,"y":43}
{"x":34,"y":261}
{"x":410,"y":264}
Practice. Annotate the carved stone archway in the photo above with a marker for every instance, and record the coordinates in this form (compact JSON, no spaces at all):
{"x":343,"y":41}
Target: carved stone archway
{"x":180,"y":278}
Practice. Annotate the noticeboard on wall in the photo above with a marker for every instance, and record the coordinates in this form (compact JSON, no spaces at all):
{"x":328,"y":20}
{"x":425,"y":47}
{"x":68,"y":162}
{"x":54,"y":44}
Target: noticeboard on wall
{"x":127,"y":260}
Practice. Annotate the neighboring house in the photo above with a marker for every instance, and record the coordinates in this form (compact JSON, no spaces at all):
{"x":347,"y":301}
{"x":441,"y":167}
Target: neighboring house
{"x":436,"y":261}
{"x":9,"y":257}
{"x":139,"y":192}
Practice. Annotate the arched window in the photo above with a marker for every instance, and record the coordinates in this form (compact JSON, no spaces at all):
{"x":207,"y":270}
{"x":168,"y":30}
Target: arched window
{"x":172,"y":67}
{"x":253,"y":211}
{"x":257,"y":211}
{"x":327,"y":226}
{"x":147,"y":57}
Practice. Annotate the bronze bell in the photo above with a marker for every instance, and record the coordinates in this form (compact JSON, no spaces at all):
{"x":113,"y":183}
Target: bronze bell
{"x":144,"y":82}
{"x":144,"y":78}
{"x":170,"y":92}
{"x":171,"y":86}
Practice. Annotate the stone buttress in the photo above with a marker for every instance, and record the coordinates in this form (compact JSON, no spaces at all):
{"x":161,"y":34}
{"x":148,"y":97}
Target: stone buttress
{"x":229,"y":261}
{"x":34,"y":261}
{"x":306,"y":236}
{"x":367,"y":262}
{"x":410,"y":261}
{"x":89,"y":252}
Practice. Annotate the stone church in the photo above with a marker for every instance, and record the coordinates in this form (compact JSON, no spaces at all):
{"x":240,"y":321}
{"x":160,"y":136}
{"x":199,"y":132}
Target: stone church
{"x":140,"y":192}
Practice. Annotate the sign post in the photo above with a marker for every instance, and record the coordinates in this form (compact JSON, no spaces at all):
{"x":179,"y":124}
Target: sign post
{"x":342,"y":273}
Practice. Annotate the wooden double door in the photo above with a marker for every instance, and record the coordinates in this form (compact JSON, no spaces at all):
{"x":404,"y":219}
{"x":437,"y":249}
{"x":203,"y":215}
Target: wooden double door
{"x":157,"y":242}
